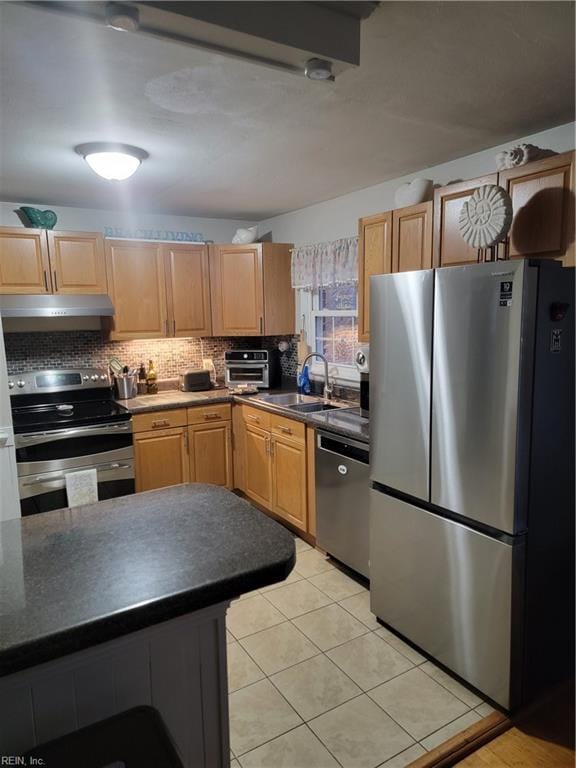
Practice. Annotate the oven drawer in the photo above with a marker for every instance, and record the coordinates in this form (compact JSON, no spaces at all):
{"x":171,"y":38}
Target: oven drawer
{"x":123,"y":455}
{"x":45,"y":491}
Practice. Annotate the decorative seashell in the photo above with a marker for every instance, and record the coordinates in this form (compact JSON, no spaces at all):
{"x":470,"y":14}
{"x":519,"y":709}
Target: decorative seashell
{"x":486,"y":218}
{"x":245,"y":236}
{"x":39,"y":219}
{"x":413,"y":192}
{"x":520,"y":155}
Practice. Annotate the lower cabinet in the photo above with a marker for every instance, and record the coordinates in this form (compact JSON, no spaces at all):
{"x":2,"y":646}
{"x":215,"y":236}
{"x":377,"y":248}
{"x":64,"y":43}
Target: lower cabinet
{"x":210,"y":449}
{"x":289,"y":480}
{"x":258,"y":465}
{"x":269,"y":457}
{"x":161,"y":458}
{"x":181,"y":446}
{"x":275,"y":469}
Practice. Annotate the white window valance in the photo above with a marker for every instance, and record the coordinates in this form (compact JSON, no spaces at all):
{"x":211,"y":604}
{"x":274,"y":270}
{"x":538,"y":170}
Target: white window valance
{"x":324,"y":264}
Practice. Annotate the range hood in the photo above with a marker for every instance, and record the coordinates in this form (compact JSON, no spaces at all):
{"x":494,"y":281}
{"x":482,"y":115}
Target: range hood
{"x":50,"y":305}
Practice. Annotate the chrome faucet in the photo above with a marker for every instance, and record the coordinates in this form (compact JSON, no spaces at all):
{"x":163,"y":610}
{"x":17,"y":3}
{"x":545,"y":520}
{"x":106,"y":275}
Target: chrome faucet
{"x":327,"y":391}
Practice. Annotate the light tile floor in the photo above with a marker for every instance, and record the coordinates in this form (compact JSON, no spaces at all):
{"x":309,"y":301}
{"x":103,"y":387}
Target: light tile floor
{"x":316,"y":682}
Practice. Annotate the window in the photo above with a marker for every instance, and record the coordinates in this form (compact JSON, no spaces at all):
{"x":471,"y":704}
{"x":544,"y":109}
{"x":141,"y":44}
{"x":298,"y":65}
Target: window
{"x":334,"y":324}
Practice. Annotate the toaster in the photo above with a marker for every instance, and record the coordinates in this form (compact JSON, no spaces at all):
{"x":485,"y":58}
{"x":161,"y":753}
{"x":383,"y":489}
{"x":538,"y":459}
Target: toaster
{"x":195,"y":380}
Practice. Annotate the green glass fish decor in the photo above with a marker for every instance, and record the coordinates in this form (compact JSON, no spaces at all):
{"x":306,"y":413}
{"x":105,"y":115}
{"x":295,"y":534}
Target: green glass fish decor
{"x":39,"y":219}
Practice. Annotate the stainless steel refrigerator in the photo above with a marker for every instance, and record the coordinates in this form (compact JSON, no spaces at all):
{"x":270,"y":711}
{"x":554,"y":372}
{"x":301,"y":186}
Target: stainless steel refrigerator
{"x":471,"y":504}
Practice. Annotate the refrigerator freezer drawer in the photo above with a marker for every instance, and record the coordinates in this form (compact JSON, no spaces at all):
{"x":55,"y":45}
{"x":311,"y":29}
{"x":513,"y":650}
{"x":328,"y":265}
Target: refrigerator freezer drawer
{"x":446,"y":588}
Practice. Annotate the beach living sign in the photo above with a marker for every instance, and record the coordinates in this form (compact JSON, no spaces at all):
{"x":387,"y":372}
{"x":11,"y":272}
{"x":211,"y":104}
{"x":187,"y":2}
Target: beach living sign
{"x":145,"y":233}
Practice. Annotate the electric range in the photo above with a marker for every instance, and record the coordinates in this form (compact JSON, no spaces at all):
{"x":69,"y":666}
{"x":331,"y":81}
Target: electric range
{"x":64,"y":421}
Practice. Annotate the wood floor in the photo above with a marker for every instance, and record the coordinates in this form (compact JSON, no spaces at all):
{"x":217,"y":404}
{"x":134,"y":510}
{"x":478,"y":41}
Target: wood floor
{"x":543,"y":738}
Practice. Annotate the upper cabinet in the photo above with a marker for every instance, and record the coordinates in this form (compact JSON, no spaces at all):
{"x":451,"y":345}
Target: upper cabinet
{"x":374,"y":258}
{"x":188,"y":286}
{"x":24,"y":263}
{"x":412,"y":237}
{"x":543,"y":201}
{"x":41,"y":261}
{"x":450,"y":249}
{"x":395,"y":241}
{"x":251,"y":290}
{"x":77,"y":262}
{"x":136,"y":277}
{"x":158,"y":289}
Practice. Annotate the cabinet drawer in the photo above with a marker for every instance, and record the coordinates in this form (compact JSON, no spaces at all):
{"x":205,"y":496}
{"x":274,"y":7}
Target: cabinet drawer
{"x":256,"y":417}
{"x":143,"y":422}
{"x":280,"y":425}
{"x":208,"y":413}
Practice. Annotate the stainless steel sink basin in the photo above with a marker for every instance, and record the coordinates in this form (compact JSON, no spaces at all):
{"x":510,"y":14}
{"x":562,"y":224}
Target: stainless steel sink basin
{"x":312,"y":407}
{"x":288,"y":400}
{"x":292,"y":401}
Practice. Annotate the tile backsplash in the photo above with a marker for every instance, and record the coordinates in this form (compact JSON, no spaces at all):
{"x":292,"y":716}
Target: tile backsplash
{"x":77,"y":349}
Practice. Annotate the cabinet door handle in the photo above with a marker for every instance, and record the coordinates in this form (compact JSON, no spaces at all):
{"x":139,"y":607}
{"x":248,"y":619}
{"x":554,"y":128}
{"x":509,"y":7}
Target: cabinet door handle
{"x":160,"y":423}
{"x":186,"y":446}
{"x":261,"y":324}
{"x":268,"y":449}
{"x":271,"y":446}
{"x":212,"y":416}
{"x":253,"y":418}
{"x":46,"y":281}
{"x":174,"y":327}
{"x":286,"y":430}
{"x":55,"y":282}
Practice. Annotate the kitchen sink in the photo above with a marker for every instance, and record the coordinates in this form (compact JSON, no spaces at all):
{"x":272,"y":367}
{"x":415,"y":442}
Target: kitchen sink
{"x":292,"y":401}
{"x":288,"y":400}
{"x":312,"y":407}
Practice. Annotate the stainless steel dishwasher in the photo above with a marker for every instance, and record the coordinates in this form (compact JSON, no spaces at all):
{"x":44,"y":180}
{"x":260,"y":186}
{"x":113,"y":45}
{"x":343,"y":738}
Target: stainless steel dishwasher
{"x":342,"y":498}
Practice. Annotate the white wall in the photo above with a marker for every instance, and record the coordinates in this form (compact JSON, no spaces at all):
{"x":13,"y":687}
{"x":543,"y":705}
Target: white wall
{"x":339,"y":217}
{"x":87,"y":219}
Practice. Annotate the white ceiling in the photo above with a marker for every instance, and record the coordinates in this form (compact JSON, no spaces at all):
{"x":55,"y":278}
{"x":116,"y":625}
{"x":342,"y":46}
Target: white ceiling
{"x":230,"y":139}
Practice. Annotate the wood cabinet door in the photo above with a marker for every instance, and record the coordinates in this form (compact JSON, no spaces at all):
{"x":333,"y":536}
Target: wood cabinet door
{"x":188,"y":289}
{"x":77,"y":262}
{"x":289,"y":480}
{"x":161,"y":458}
{"x":450,"y":248}
{"x":210,"y":447}
{"x":238,"y":447}
{"x":279,"y":296}
{"x":374,"y":258}
{"x":412,"y":237}
{"x":24,"y":266}
{"x":237,"y":290}
{"x":258,"y":465}
{"x":138,"y":289}
{"x":543,"y":201}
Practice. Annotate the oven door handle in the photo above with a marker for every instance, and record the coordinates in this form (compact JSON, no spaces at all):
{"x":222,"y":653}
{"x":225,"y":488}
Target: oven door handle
{"x":36,"y":438}
{"x":39,"y":479}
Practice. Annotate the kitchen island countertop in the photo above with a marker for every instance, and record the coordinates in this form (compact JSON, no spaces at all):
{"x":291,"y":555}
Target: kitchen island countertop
{"x":73,"y":578}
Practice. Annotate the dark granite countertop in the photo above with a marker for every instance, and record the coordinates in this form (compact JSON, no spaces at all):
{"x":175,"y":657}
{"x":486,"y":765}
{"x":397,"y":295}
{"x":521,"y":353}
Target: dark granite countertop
{"x":72,"y":578}
{"x":169,"y":399}
{"x":348,"y":423}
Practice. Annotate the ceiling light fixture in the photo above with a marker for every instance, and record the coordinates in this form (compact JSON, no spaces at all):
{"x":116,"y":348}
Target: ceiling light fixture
{"x":318,"y":69}
{"x":115,"y":162}
{"x":125,"y":18}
